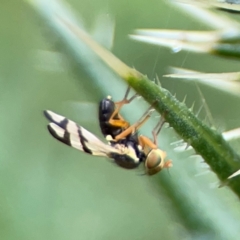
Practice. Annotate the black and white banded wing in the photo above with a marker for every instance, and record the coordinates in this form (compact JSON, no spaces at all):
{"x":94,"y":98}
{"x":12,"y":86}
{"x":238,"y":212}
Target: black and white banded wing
{"x":70,"y":133}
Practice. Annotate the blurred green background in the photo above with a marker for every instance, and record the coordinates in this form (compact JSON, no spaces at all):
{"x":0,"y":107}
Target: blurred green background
{"x":50,"y":191}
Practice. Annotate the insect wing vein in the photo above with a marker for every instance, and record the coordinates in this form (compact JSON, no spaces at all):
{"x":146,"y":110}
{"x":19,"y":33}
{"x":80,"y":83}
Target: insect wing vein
{"x":76,"y":136}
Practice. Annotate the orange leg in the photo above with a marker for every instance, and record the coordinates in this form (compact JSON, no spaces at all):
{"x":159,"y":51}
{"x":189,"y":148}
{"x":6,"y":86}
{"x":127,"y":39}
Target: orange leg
{"x":145,"y":141}
{"x":120,"y":122}
{"x":133,"y":128}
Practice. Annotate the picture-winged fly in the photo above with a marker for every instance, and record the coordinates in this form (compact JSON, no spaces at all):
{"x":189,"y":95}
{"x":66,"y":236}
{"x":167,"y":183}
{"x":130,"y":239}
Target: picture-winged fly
{"x":125,"y":146}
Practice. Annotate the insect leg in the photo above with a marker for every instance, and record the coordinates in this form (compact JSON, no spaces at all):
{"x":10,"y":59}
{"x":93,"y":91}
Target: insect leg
{"x":145,"y":141}
{"x":120,"y":121}
{"x":133,"y":128}
{"x":125,"y":100}
{"x":155,"y":160}
{"x":157,"y":129}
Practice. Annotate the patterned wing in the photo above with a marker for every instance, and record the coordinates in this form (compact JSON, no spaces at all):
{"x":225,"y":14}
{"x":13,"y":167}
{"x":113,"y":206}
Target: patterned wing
{"x":70,"y":133}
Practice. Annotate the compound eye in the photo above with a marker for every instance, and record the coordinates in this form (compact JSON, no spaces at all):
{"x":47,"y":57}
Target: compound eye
{"x":153,"y":160}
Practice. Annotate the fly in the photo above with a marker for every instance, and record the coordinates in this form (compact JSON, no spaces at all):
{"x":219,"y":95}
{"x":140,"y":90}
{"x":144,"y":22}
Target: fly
{"x":126,"y":147}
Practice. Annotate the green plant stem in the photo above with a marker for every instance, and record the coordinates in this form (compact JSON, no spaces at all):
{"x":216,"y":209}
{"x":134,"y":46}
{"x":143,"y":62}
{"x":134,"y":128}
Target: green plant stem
{"x":206,"y":141}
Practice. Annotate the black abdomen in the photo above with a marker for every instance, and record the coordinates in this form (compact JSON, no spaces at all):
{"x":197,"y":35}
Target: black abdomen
{"x":106,"y":109}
